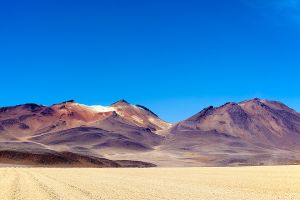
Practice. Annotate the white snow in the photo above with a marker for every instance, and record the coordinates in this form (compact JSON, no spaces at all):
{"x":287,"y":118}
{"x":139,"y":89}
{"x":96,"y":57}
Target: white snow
{"x":98,"y":108}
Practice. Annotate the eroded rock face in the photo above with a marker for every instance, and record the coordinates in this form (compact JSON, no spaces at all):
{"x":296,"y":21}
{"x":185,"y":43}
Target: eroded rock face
{"x":202,"y":114}
{"x":48,"y":112}
{"x":239,"y":117}
{"x":32,"y":107}
{"x":9,"y":122}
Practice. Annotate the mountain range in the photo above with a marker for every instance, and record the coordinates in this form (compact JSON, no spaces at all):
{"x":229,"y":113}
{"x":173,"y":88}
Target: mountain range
{"x":252,"y":132}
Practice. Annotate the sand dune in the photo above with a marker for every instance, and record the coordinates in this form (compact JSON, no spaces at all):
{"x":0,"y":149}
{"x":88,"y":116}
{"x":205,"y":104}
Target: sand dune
{"x":264,"y":183}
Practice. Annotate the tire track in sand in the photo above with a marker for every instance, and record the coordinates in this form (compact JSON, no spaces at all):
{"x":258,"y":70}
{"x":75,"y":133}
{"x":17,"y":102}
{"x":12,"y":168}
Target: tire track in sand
{"x":49,"y":192}
{"x":113,"y":189}
{"x":15,"y":187}
{"x":77,"y":189}
{"x":5,"y":182}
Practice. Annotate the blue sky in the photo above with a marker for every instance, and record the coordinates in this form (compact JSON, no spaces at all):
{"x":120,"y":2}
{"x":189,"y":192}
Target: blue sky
{"x":174,"y":57}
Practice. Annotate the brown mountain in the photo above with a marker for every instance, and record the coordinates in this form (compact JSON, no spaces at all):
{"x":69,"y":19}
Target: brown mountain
{"x":253,"y":132}
{"x":70,"y":126}
{"x":250,"y":132}
{"x":259,"y":121}
{"x":32,"y":119}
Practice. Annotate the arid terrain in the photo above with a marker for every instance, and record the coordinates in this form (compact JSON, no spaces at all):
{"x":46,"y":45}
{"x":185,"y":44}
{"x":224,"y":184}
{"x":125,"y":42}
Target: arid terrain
{"x":276,"y":182}
{"x":254,"y":132}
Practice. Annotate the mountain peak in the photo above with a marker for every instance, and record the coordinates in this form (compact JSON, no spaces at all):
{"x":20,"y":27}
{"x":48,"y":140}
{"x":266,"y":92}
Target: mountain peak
{"x":32,"y":107}
{"x":121,"y":102}
{"x":228,"y":104}
{"x":27,"y":106}
{"x":66,"y":102}
{"x":256,"y":99}
{"x":69,"y":101}
{"x":147,"y":109}
{"x":251,"y":100}
{"x":202,"y":114}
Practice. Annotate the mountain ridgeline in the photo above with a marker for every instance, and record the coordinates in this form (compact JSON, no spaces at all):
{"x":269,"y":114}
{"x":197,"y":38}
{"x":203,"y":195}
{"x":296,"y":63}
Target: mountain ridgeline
{"x":253,"y":132}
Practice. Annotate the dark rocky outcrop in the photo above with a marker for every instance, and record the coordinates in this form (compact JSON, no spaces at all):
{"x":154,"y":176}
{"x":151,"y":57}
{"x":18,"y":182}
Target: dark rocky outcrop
{"x":66,"y":159}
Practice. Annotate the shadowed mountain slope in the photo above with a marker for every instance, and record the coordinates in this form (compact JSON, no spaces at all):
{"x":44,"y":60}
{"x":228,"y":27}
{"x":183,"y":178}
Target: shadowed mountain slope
{"x":257,"y":121}
{"x":70,"y":126}
{"x":32,"y":119}
{"x":249,"y":133}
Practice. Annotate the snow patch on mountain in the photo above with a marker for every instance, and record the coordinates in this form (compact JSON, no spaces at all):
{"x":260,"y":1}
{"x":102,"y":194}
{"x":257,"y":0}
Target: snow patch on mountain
{"x":98,"y":108}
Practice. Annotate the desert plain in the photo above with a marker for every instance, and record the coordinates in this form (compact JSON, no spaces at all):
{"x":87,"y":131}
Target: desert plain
{"x":207,"y":183}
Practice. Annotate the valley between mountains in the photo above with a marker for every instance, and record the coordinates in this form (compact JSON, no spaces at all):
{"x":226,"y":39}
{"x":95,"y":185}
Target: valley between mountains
{"x":70,"y":134}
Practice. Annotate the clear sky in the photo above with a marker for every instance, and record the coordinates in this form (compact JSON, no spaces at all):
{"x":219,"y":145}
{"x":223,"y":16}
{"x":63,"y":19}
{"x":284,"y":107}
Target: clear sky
{"x":174,"y":57}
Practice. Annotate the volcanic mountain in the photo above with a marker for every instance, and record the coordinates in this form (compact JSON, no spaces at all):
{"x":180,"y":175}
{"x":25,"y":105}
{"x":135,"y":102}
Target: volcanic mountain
{"x":33,"y":119}
{"x":253,"y":132}
{"x":250,"y":132}
{"x":74,"y":127}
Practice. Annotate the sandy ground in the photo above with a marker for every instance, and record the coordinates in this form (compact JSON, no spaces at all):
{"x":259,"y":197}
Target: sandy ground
{"x":282,"y":182}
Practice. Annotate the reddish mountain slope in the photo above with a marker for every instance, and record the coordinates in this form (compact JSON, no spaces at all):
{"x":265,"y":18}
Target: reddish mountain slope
{"x":251,"y":132}
{"x":32,"y":119}
{"x":89,"y":130}
{"x":259,"y":121}
{"x":139,"y":115}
